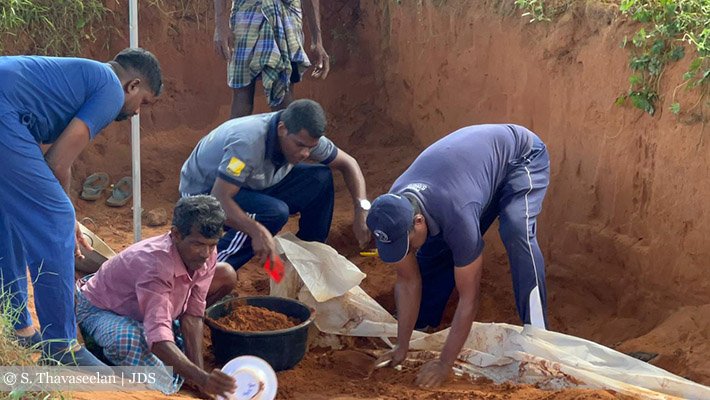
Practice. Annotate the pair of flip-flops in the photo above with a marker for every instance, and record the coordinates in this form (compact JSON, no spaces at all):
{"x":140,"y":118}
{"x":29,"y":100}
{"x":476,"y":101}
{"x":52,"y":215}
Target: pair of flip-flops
{"x":95,"y":184}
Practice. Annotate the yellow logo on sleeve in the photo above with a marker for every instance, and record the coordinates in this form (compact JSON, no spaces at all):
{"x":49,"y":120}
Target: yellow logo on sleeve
{"x":235,"y":166}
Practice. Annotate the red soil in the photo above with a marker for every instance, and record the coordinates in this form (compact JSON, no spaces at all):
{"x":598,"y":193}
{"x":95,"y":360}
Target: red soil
{"x":255,"y":319}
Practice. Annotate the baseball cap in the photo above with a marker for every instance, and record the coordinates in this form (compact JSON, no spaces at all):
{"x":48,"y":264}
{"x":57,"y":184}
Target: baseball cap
{"x":389,"y":220}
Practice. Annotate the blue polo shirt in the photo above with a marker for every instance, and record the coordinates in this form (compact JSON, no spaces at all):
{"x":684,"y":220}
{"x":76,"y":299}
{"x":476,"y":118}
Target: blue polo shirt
{"x":245,"y":152}
{"x":47,"y":92}
{"x":456,"y":178}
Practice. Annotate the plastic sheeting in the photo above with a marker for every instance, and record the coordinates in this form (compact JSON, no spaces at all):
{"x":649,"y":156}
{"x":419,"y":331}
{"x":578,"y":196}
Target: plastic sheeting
{"x":318,"y":276}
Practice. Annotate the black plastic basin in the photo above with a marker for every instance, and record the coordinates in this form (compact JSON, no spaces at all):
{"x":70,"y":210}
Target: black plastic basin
{"x":283,"y":349}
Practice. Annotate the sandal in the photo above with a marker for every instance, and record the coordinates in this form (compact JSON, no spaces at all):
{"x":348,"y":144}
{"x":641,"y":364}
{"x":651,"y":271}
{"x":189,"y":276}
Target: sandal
{"x":121,"y":193}
{"x":94,"y":185}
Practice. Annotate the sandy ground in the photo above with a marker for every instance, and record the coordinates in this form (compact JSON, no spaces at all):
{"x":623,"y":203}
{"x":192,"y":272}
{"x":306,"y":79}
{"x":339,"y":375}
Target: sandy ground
{"x":342,"y":374}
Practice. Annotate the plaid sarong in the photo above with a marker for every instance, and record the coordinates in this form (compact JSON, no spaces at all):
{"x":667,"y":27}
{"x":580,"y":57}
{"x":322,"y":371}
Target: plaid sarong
{"x":123,"y":342}
{"x":268,"y":38}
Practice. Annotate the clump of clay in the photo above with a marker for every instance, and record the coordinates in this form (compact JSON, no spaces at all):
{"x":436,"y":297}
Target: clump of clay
{"x":246,"y":318}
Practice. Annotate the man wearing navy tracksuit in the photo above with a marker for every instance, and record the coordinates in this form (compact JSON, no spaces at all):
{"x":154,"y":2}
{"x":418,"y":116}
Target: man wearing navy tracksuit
{"x":431,"y":226}
{"x":65,"y":103}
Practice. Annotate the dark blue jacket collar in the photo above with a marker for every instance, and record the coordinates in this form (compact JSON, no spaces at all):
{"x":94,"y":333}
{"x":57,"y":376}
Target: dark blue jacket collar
{"x":273,"y":148}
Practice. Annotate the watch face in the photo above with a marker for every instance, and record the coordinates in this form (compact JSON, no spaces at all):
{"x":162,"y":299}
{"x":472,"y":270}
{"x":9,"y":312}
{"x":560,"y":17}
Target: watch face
{"x":365,"y":205}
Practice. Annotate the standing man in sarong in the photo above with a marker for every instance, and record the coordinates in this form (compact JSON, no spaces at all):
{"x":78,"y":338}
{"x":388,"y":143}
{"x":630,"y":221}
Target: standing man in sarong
{"x":263,"y":39}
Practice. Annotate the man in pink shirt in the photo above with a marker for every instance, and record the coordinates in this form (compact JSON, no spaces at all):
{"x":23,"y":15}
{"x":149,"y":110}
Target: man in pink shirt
{"x":144,"y":303}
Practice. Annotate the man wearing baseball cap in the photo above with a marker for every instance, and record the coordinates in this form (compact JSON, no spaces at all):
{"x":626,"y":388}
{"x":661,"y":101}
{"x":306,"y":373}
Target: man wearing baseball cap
{"x":431,"y":226}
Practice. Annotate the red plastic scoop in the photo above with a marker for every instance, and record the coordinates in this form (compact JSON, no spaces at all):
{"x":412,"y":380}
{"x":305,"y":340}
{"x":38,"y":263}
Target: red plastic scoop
{"x":275,"y":269}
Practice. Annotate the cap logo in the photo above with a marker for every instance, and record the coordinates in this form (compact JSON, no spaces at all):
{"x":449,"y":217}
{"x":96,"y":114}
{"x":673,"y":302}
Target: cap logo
{"x":417,"y":187}
{"x":381,"y":236}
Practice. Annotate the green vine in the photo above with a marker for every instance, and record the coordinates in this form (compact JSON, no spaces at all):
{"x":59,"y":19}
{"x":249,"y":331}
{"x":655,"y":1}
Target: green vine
{"x":668,"y":29}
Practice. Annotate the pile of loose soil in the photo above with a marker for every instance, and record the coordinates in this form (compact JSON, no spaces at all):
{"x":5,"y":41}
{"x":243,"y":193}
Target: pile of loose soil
{"x":245,"y":318}
{"x":345,"y":374}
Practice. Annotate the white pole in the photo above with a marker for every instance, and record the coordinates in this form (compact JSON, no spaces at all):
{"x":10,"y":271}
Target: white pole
{"x":135,"y":133}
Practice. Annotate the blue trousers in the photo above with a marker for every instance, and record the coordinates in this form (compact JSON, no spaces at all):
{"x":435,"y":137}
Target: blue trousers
{"x":516,"y":204}
{"x":307,"y":189}
{"x":36,"y":231}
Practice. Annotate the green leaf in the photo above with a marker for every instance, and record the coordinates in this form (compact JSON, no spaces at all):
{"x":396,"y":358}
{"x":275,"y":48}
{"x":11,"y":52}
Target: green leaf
{"x":641,"y":62}
{"x":658,"y":47}
{"x":677,"y":53}
{"x":655,"y":66}
{"x":642,"y":16}
{"x":642,"y":101}
{"x":695,"y":64}
{"x":639,"y":38}
{"x":675,"y":108}
{"x":626,"y":5}
{"x":635,"y":80}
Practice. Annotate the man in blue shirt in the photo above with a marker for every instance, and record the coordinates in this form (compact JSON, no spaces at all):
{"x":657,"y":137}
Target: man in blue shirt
{"x":64,"y":103}
{"x":431,"y":226}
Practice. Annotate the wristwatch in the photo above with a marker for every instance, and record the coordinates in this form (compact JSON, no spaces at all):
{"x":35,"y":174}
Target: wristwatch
{"x":364,"y":204}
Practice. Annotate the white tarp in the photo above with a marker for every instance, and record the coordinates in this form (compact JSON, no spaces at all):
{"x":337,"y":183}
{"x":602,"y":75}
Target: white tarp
{"x":310,"y":261}
{"x":326,"y":281}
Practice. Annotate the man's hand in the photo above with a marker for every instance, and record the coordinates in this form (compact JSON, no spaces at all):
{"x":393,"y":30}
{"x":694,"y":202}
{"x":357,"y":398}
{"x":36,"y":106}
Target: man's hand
{"x":322,"y":64}
{"x":362,"y":234}
{"x":433,"y":374}
{"x":392,"y":358}
{"x":223,"y":40}
{"x":80,"y":240}
{"x":219,"y":384}
{"x":263,"y":244}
